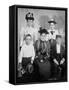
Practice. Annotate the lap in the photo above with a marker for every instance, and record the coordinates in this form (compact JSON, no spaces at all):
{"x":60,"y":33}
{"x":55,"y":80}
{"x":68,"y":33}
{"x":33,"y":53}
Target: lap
{"x":44,"y":68}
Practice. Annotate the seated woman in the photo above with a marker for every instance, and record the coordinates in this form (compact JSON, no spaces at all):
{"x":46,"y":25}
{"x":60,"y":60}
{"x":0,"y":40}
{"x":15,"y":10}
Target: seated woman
{"x":42,"y":49}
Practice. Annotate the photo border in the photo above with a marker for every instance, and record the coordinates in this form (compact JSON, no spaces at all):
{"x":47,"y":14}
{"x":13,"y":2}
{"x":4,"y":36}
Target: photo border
{"x":16,"y":39}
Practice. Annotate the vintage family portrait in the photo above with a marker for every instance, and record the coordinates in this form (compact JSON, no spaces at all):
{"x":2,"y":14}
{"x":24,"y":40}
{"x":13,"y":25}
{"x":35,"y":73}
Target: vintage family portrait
{"x":41,"y":45}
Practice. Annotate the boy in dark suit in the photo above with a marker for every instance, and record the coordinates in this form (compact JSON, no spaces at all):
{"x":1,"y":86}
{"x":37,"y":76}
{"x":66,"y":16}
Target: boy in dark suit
{"x":58,"y":57}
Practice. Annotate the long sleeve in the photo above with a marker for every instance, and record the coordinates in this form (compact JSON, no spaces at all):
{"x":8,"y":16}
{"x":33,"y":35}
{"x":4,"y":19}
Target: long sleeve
{"x":37,"y":45}
{"x":20,"y":56}
{"x":48,"y":48}
{"x":62,"y":52}
{"x":53,"y":52}
{"x":33,"y":53}
{"x":35,"y":34}
{"x":22,"y":36}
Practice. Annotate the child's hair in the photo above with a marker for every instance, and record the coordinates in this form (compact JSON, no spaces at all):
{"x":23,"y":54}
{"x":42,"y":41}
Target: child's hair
{"x":28,"y":35}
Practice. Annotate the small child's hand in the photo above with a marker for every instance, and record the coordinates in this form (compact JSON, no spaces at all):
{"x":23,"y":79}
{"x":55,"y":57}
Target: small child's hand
{"x":41,"y":60}
{"x":31,"y":61}
{"x":19,"y":66}
{"x":56,"y":62}
{"x":62,"y":61}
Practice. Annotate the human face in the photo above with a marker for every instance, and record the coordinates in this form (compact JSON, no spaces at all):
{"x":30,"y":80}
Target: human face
{"x":28,"y":40}
{"x":43,"y":36}
{"x":52,"y":25}
{"x":59,"y":40}
{"x":30,"y":22}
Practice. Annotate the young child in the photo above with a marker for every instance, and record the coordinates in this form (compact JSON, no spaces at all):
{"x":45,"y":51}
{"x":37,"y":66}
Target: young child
{"x":27,"y":53}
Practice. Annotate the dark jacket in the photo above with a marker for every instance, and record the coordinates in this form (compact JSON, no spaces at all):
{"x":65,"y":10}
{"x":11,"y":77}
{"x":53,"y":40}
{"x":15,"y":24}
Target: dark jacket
{"x":54,"y":54}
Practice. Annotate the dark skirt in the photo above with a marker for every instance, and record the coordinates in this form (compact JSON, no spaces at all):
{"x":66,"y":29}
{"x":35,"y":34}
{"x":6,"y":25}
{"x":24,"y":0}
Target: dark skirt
{"x":44,"y":69}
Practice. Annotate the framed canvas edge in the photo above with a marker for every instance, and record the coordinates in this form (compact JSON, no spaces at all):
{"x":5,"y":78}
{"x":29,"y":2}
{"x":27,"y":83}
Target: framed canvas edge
{"x":16,"y":39}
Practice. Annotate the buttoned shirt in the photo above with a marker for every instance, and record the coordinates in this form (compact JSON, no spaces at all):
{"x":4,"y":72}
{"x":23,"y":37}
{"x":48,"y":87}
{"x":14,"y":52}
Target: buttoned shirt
{"x":58,"y":48}
{"x":27,"y":51}
{"x":52,"y":33}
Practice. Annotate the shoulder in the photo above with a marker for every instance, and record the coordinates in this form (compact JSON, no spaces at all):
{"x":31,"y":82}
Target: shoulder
{"x":53,"y":45}
{"x":24,"y":45}
{"x":63,"y":48}
{"x":23,"y":28}
{"x":49,"y":30}
{"x":37,"y":41}
{"x":47,"y":42}
{"x":56,"y":31}
{"x":35,"y":30}
{"x":31,"y":46}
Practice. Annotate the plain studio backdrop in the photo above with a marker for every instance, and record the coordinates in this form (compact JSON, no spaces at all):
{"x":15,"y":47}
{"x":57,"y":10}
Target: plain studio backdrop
{"x":4,"y":45}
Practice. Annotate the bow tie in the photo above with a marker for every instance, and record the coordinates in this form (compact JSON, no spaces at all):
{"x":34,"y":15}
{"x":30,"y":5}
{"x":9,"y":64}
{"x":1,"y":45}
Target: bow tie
{"x":52,"y":32}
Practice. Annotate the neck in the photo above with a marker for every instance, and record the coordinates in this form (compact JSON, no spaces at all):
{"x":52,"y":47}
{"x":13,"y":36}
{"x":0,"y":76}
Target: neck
{"x":59,"y":44}
{"x":52,"y":28}
{"x":42,"y":40}
{"x":27,"y":44}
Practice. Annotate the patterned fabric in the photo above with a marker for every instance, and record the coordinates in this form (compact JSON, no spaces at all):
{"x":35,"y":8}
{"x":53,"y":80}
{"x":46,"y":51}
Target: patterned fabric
{"x":43,"y":52}
{"x":42,"y":48}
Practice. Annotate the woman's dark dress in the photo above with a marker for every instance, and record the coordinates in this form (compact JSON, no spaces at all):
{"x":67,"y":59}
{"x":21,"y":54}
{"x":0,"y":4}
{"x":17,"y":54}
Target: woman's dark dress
{"x":43,"y":53}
